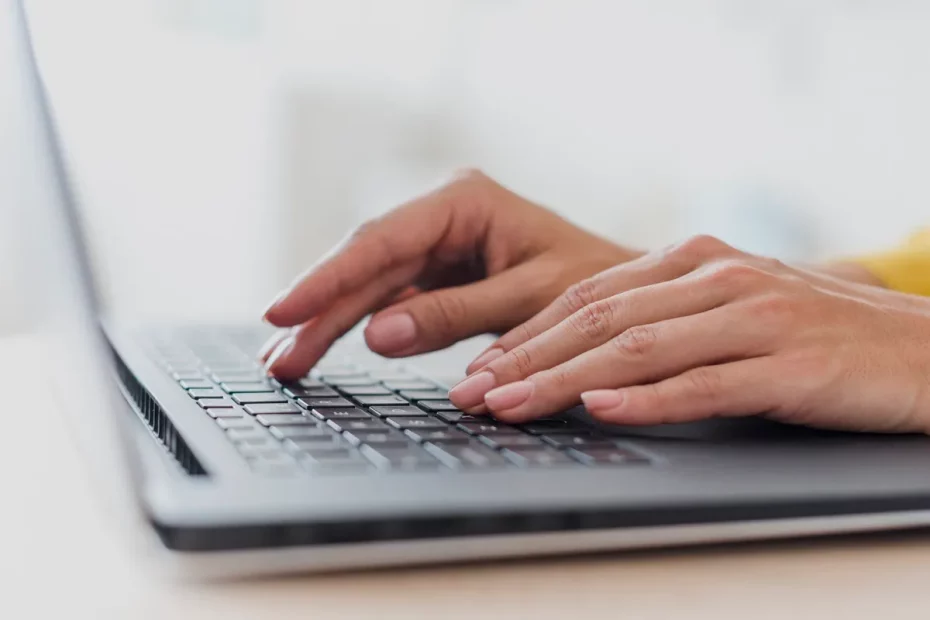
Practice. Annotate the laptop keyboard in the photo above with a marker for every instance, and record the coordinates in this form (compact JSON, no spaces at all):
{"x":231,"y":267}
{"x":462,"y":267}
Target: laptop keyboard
{"x":344,"y":417}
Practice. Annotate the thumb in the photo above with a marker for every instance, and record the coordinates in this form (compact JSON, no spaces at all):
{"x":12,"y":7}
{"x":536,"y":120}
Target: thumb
{"x":437,"y":319}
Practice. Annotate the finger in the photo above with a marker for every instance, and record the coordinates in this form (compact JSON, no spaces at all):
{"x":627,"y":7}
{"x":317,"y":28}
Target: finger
{"x":640,"y":355}
{"x":588,"y":329}
{"x":407,"y":234}
{"x":437,"y":319}
{"x":314,"y":338}
{"x":735,"y":389}
{"x":652,"y":268}
{"x":272,"y":343}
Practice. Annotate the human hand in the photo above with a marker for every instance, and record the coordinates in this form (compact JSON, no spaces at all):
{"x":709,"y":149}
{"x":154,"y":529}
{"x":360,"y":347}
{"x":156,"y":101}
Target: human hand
{"x":703,"y":330}
{"x":469,"y":258}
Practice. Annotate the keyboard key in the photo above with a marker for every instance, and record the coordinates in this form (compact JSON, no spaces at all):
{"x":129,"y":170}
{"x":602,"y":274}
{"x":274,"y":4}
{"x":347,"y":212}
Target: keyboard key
{"x":318,"y":444}
{"x":578,"y":440}
{"x":386,"y":412}
{"x":275,"y":466}
{"x":404,"y":423}
{"x":425,"y":394}
{"x":311,"y":383}
{"x":349,"y":375}
{"x":241,"y":387}
{"x":537,"y":456}
{"x":371,"y":424}
{"x":500,"y":441}
{"x":285,"y":419}
{"x":302,"y":392}
{"x":415,"y":384}
{"x":216,"y":403}
{"x":218,"y":413}
{"x":241,"y":434}
{"x":488,"y":426}
{"x":238,"y":423}
{"x":237,"y":377}
{"x":366,"y":390}
{"x":607,"y":456}
{"x":187,"y":375}
{"x":438,"y":405}
{"x":380,"y":437}
{"x":342,"y":413}
{"x":552,"y":427}
{"x":313,"y":403}
{"x":381,"y":400}
{"x":295,"y":432}
{"x":255,"y":452}
{"x":457,"y":416}
{"x":360,"y":381}
{"x":335,"y":462}
{"x":447,"y":435}
{"x":466,"y":455}
{"x":390,"y":457}
{"x":205,"y":393}
{"x":190,"y":384}
{"x":266,"y":408}
{"x":259,"y":397}
{"x":392,"y":374}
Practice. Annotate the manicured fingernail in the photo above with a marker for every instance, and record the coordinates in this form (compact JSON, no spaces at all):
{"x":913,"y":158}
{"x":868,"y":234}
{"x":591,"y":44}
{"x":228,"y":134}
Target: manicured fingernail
{"x":471,"y":391}
{"x":509,"y":396}
{"x":601,"y":400}
{"x":274,"y":302}
{"x":281,"y":351}
{"x":486,"y":358}
{"x":391,"y":333}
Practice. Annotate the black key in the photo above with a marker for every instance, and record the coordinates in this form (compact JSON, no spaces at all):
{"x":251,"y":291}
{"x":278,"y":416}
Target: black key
{"x":458,"y":416}
{"x":539,"y":456}
{"x":302,"y":392}
{"x":237,"y":377}
{"x":390,"y":457}
{"x":447,"y":435}
{"x":259,"y":397}
{"x":366,"y":390}
{"x":337,"y":461}
{"x":472,"y":455}
{"x":438,"y":405}
{"x":416,"y":423}
{"x":242,"y":387}
{"x":313,"y":403}
{"x":392,"y":374}
{"x":311,"y":383}
{"x":286,"y":419}
{"x":191,"y":384}
{"x":205,"y":393}
{"x":349,"y":375}
{"x":352,"y":382}
{"x":238,"y":423}
{"x":241,"y":434}
{"x":551,"y":427}
{"x":380,"y":437}
{"x":187,"y":375}
{"x":342,"y":413}
{"x":578,"y":440}
{"x":223,"y":413}
{"x":266,"y":408}
{"x":607,"y":456}
{"x":425,"y":394}
{"x":499,"y":441}
{"x":386,"y":412}
{"x":371,"y":424}
{"x":414,"y":384}
{"x":294,"y":432}
{"x":381,"y":400}
{"x":215,"y":403}
{"x":318,"y":444}
{"x":488,"y":426}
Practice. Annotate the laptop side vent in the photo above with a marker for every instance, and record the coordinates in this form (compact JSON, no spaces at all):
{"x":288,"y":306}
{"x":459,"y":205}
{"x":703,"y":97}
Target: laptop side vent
{"x":152,"y":414}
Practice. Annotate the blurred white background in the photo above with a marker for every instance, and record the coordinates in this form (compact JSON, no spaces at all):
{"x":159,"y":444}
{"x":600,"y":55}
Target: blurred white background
{"x":219,"y":146}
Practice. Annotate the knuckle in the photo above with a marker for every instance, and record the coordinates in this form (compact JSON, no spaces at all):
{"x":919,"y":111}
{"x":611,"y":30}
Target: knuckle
{"x":701,"y":247}
{"x":593,"y":322}
{"x":774,"y":307}
{"x":704,"y":382}
{"x":735,"y":273}
{"x":579,"y":295}
{"x":637,"y":341}
{"x":520,"y":360}
{"x":445,"y":313}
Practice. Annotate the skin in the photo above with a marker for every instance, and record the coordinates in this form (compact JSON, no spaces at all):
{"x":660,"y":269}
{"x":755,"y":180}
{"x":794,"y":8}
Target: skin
{"x":689,"y":332}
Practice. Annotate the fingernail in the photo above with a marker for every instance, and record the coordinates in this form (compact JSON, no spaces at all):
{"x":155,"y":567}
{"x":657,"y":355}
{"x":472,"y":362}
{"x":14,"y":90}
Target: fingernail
{"x":601,"y":400}
{"x":274,"y":302}
{"x":486,"y":358}
{"x":392,"y":333}
{"x":471,"y":391}
{"x":282,"y":350}
{"x":509,"y":396}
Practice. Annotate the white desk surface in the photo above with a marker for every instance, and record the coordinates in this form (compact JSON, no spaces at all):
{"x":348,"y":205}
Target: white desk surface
{"x":60,"y":559}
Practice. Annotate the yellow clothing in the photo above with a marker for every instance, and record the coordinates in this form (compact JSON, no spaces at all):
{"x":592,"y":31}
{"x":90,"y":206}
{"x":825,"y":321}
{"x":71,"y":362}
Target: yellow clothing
{"x":906,"y":269}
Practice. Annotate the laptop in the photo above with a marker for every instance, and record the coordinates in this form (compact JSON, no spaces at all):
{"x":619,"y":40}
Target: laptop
{"x":364,"y":462}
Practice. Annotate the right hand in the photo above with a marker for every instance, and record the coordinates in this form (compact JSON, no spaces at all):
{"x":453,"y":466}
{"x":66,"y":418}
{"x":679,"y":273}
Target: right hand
{"x":469,"y":258}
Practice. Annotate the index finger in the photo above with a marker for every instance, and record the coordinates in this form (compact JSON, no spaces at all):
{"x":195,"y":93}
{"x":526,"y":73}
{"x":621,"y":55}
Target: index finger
{"x":407,"y":234}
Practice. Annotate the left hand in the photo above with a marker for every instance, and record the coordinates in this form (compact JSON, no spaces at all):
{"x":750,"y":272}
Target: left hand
{"x":719,"y":333}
